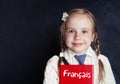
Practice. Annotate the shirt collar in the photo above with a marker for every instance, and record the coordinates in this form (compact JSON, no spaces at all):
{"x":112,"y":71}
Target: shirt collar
{"x":90,"y":52}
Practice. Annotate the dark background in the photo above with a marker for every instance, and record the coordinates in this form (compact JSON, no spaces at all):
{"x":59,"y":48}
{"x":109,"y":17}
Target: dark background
{"x":29,"y":35}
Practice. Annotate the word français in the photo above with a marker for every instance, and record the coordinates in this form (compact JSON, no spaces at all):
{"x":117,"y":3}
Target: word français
{"x":80,"y":75}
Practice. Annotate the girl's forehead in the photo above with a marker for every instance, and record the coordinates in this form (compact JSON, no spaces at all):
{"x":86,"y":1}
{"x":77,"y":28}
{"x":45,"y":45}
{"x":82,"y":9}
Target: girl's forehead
{"x":79,"y":21}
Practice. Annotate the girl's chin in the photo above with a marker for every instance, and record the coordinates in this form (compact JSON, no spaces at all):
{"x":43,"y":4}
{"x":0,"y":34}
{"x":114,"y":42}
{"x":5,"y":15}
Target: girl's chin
{"x":79,"y":51}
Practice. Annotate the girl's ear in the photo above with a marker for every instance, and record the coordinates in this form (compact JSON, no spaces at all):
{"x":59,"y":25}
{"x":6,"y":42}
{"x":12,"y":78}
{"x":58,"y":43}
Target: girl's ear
{"x":93,"y":37}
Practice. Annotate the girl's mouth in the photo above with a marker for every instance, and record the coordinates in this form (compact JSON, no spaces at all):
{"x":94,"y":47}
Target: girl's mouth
{"x":77,"y":44}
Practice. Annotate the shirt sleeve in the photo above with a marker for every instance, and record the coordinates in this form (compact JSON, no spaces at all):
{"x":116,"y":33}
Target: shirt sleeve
{"x":51,"y":71}
{"x":109,"y":77}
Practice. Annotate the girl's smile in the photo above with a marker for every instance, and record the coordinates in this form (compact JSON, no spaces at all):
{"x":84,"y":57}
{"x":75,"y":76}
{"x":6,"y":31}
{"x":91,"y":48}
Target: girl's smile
{"x":77,"y":44}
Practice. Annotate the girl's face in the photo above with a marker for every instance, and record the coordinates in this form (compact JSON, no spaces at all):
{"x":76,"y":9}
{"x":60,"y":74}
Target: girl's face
{"x":79,"y":33}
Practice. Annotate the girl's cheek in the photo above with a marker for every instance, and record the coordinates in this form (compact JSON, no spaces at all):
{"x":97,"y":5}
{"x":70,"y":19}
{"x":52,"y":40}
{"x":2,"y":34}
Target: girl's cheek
{"x":69,"y":36}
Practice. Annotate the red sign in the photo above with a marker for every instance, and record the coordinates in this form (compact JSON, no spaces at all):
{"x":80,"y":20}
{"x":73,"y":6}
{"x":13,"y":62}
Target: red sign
{"x":76,"y":74}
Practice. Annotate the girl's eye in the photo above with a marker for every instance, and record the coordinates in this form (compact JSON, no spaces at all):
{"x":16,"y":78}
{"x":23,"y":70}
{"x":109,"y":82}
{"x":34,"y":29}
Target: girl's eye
{"x":84,"y":31}
{"x":71,"y":31}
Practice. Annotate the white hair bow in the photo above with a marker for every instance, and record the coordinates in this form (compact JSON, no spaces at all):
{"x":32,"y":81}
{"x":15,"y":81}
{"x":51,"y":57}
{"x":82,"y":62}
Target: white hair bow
{"x":64,"y":17}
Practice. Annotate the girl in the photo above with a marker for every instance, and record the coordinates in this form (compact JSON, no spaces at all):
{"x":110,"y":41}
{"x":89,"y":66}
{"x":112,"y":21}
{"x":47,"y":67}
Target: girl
{"x":78,"y":33}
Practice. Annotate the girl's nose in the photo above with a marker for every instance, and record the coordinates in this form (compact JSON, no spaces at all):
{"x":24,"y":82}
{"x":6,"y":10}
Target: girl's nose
{"x":77,"y":36}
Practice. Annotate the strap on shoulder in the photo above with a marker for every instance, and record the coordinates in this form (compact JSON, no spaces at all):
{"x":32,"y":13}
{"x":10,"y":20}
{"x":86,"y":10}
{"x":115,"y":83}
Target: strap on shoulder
{"x":64,"y":61}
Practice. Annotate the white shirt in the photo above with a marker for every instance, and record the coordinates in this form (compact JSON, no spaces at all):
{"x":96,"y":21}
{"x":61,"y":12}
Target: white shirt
{"x":51,"y":72}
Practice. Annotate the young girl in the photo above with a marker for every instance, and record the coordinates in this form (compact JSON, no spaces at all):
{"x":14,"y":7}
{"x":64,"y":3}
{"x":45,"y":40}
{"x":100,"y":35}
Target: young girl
{"x":78,"y":33}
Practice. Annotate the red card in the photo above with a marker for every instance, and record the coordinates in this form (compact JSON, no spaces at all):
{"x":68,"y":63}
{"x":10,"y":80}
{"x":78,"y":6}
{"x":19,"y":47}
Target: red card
{"x":76,"y":74}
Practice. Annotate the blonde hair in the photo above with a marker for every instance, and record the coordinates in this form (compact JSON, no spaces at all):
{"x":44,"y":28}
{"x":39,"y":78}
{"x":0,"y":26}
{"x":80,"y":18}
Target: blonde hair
{"x":95,"y":41}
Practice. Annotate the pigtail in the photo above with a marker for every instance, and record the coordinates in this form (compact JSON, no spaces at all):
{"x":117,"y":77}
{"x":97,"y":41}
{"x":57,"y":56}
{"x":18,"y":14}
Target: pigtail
{"x":62,"y":44}
{"x":101,"y":66}
{"x":97,"y":48}
{"x":97,"y":45}
{"x":59,"y":62}
{"x":101,"y":71}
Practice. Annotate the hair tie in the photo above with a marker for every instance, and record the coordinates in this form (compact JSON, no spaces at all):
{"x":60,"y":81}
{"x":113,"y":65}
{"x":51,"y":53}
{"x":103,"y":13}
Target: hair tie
{"x":99,"y":57}
{"x":64,"y":17}
{"x":61,"y":54}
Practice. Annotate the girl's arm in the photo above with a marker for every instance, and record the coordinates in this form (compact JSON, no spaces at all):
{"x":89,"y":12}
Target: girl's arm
{"x":109,"y":77}
{"x":51,"y":71}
